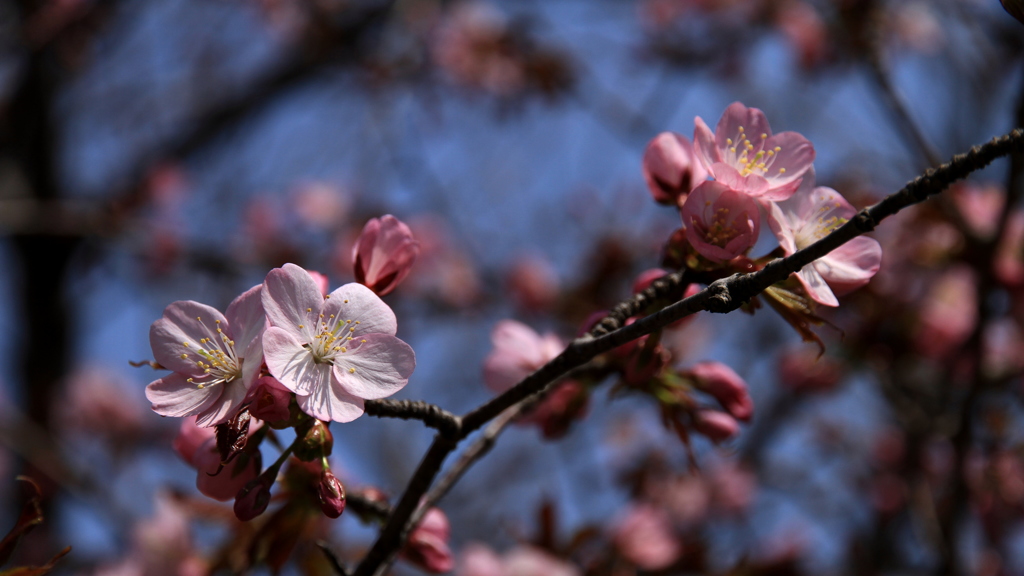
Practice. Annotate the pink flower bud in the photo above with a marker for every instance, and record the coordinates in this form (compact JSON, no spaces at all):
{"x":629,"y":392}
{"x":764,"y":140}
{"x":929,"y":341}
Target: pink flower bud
{"x":726,"y":386}
{"x":269,"y":400}
{"x":317,"y":442}
{"x":331,"y":494}
{"x":717,"y":426}
{"x":427,"y":546}
{"x":252,"y":499}
{"x":384,"y":254}
{"x":671,"y":169}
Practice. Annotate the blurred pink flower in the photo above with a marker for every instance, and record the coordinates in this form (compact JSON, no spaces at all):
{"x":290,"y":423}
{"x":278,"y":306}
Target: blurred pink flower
{"x":190,"y":437}
{"x":1008,"y":264}
{"x":733,"y":487}
{"x":671,"y":169}
{"x":810,"y":215}
{"x":644,"y":536}
{"x":726,"y":386}
{"x":805,"y":29}
{"x":321,"y":205}
{"x":333,"y":351}
{"x":98,"y":401}
{"x":479,"y":560}
{"x":721,"y":223}
{"x":533,"y":283}
{"x":427,"y":546}
{"x":743,"y":153}
{"x":948,"y":313}
{"x":980,"y":205}
{"x":717,"y":426}
{"x":518,"y":351}
{"x":222,"y":483}
{"x":384,"y":254}
{"x":207,"y":352}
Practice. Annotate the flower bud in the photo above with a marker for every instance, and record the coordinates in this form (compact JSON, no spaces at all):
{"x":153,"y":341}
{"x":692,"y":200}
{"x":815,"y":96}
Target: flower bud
{"x":269,"y":400}
{"x":222,"y":482}
{"x":717,"y":426}
{"x":253,"y":498}
{"x":331,"y":494}
{"x":427,"y":546}
{"x":726,"y":386}
{"x":384,"y":254}
{"x":671,"y":169}
{"x":317,"y":442}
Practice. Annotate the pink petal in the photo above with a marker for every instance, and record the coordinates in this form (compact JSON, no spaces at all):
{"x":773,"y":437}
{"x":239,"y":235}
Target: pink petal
{"x":751,"y":184}
{"x":704,"y":146}
{"x":227,"y":405}
{"x":382,"y":365}
{"x":292,"y":364}
{"x":795,"y":156}
{"x":736,"y":115}
{"x":356,"y":302}
{"x":781,"y":227}
{"x":246,"y":317}
{"x":291,"y":299}
{"x":184,"y":321}
{"x":331,"y":403}
{"x":816,"y":287}
{"x":173,"y":396}
{"x":851,"y":265}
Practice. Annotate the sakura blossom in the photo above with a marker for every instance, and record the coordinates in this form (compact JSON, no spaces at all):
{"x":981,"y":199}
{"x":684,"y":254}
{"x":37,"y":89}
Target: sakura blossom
{"x":333,"y":351}
{"x":207,"y":352}
{"x":671,"y":169}
{"x":721,"y":222}
{"x":427,"y":546}
{"x":644,"y":536}
{"x":810,"y":215}
{"x":743,"y":152}
{"x":518,"y":351}
{"x":384,"y":254}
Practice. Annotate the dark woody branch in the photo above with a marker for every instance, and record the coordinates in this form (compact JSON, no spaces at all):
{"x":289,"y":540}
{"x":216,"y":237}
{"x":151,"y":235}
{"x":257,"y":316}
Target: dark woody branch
{"x":721,"y":296}
{"x":433,"y":416}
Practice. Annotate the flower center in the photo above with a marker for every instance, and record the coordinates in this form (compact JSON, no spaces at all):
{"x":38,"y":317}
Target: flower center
{"x":750,"y":159}
{"x":719,"y":229}
{"x":217,"y":358}
{"x":332,"y":338}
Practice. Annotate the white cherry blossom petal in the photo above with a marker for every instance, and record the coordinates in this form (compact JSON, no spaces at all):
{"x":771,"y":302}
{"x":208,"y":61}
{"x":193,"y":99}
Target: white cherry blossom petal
{"x":174,"y":396}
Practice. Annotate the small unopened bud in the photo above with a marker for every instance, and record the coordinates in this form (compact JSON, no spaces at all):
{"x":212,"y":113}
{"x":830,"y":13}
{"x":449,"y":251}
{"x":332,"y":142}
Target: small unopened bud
{"x":331,"y":494}
{"x":384,"y":254}
{"x":270,"y":400}
{"x":717,"y":426}
{"x":316,"y":443}
{"x":252,"y":499}
{"x":726,"y":386}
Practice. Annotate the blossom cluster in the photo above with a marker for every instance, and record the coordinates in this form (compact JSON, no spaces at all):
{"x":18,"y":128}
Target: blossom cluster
{"x":726,"y":181}
{"x":284,"y":354}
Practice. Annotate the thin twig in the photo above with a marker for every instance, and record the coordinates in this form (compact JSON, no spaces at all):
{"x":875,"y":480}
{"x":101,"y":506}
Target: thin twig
{"x":433,"y":416}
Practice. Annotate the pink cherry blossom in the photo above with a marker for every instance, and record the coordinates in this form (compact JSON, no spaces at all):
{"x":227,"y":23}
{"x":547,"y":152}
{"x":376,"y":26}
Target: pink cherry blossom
{"x":427,"y":546}
{"x":479,"y":560}
{"x":807,"y":217}
{"x":721,"y":222}
{"x":222,"y":483}
{"x":743,"y":152}
{"x":518,"y":351}
{"x":644,"y":536}
{"x":726,"y":386}
{"x":671,"y":169}
{"x":207,"y":351}
{"x":384,"y":254}
{"x":333,"y":351}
